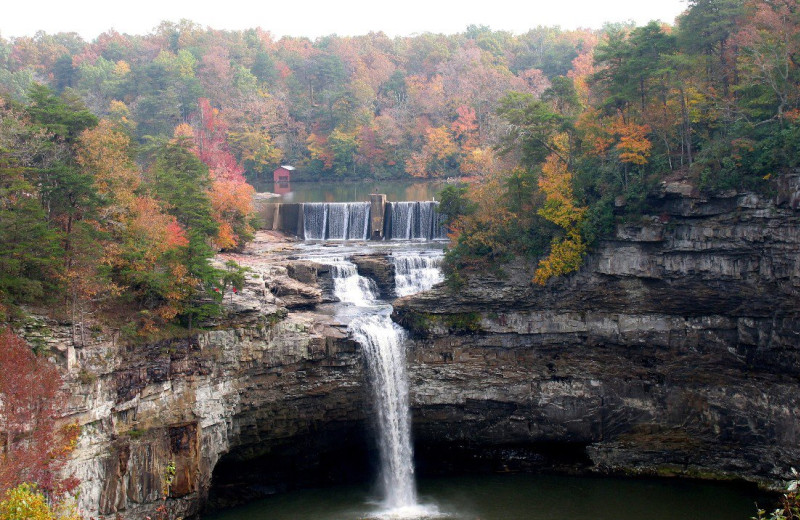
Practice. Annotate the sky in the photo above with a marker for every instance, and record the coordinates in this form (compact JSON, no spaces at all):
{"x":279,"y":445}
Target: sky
{"x":315,"y":18}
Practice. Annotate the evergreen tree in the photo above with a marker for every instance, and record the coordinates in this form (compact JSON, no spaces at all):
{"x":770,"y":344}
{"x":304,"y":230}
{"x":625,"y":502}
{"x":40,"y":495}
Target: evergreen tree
{"x":181,"y":181}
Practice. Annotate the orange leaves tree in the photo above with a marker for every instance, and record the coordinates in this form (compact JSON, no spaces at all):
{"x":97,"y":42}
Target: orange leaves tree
{"x":437,"y":156}
{"x":149,"y":264}
{"x":231,"y":197}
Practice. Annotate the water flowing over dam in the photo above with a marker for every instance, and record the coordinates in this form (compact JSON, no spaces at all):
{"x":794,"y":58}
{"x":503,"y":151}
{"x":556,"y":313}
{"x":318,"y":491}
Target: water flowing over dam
{"x":336,"y":220}
{"x":414,"y":221}
{"x":339,"y":221}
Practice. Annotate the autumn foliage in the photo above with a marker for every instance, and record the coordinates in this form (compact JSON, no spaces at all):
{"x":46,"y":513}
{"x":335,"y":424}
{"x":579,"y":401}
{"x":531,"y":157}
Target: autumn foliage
{"x":36,"y":440}
{"x":231,"y":196}
{"x":559,"y":207}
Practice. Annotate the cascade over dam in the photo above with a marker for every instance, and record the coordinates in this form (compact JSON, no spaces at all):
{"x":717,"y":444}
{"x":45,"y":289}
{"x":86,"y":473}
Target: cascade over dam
{"x":673,"y":351}
{"x":374,"y":220}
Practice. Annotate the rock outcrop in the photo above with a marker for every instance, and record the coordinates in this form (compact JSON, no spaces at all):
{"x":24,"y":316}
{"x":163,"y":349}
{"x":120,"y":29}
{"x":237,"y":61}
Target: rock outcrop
{"x":674,"y":350}
{"x":377,"y":267}
{"x":273,"y":381}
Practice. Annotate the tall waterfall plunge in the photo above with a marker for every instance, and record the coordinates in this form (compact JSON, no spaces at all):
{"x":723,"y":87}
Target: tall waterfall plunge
{"x":384,"y":347}
{"x":383,"y":343}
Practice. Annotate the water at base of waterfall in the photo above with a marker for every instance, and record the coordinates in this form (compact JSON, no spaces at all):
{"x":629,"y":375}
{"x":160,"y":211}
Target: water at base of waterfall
{"x":516,"y":496}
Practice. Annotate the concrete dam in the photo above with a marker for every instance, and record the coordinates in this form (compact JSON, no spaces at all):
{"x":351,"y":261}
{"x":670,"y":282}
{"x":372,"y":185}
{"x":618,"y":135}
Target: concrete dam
{"x":377,"y":219}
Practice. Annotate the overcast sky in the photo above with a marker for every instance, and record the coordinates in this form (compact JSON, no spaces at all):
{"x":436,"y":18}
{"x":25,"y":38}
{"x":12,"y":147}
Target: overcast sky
{"x":314,"y":18}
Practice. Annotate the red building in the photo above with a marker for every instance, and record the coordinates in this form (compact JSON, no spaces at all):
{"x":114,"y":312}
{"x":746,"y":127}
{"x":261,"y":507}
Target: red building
{"x":282,"y":177}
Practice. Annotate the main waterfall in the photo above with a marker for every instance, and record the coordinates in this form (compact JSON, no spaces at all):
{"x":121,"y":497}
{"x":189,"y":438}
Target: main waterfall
{"x":384,"y":349}
{"x":383,"y":343}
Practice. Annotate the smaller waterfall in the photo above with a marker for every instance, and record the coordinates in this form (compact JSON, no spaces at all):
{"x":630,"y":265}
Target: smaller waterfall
{"x":336,"y":220}
{"x":415,"y":272}
{"x":349,"y":286}
{"x":315,"y":220}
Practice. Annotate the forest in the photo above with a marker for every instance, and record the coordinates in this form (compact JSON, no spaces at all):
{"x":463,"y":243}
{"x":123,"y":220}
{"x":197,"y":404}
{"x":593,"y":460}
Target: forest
{"x":125,"y":159}
{"x":143,"y":144}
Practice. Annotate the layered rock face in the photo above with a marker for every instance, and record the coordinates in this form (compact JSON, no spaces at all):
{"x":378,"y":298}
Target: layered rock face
{"x":270,"y":384}
{"x":674,"y":350}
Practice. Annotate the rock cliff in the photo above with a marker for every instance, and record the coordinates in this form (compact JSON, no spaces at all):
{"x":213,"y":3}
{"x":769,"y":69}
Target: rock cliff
{"x":270,"y":381}
{"x":674,"y":350}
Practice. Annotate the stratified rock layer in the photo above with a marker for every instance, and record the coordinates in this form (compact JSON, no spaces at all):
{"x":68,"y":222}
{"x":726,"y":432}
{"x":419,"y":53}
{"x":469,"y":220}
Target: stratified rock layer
{"x":674,"y":350}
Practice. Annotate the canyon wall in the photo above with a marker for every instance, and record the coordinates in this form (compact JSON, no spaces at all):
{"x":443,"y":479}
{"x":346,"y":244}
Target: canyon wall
{"x":273,"y":381}
{"x":674,"y":350}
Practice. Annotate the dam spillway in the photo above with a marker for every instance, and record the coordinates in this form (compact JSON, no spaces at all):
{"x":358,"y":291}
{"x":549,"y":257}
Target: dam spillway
{"x":339,"y":221}
{"x":336,"y":220}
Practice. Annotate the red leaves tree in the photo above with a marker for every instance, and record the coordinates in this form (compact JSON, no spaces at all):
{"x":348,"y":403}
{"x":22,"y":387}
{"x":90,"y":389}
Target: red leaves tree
{"x":231,"y":196}
{"x":34,"y":446}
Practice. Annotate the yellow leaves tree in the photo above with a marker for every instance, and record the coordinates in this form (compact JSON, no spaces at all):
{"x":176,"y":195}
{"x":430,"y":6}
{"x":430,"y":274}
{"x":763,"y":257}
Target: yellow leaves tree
{"x":479,"y":161}
{"x":255,"y":145}
{"x":120,"y":115}
{"x":26,"y":502}
{"x":104,"y":152}
{"x":555,"y":182}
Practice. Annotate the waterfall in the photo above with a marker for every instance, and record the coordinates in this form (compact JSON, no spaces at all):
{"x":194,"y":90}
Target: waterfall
{"x":415,"y":272}
{"x":384,"y":347}
{"x":349,"y":286}
{"x":418,"y":220}
{"x":315,"y":220}
{"x":383,"y":344}
{"x":358,"y":214}
{"x":336,"y":220}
